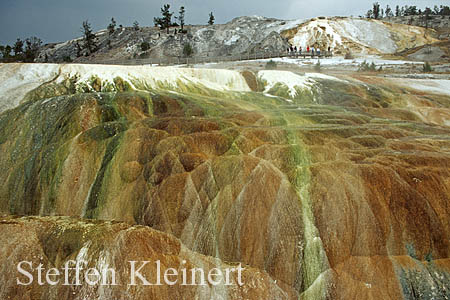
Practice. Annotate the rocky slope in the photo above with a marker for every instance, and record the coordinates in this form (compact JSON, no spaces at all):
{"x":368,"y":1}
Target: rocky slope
{"x":246,"y":35}
{"x":322,"y":187}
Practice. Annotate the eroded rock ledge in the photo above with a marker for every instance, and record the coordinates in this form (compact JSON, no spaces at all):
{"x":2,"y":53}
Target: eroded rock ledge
{"x":52,"y":241}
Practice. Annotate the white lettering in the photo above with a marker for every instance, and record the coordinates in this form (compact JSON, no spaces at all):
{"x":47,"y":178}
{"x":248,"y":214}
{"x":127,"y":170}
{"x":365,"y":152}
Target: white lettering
{"x":27,"y":274}
{"x":170,"y":272}
{"x":240,"y":269}
{"x":211,"y":273}
{"x":136,"y":273}
{"x":89,"y":273}
{"x":105,"y":276}
{"x":52,"y":272}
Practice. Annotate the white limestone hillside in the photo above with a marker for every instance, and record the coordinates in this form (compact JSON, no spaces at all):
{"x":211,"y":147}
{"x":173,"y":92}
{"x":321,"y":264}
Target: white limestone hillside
{"x":360,"y":36}
{"x":246,"y":35}
{"x":16,"y":80}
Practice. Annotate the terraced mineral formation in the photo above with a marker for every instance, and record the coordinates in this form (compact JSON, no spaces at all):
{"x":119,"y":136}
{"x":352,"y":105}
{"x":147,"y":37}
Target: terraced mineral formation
{"x":321,"y":187}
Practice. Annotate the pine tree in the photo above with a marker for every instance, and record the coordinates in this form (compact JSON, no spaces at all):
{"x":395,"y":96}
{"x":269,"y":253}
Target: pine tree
{"x":158,"y":22}
{"x":436,"y":10}
{"x":90,"y":40}
{"x":18,"y":47}
{"x":167,"y":16}
{"x":136,"y":26}
{"x":397,"y":11}
{"x":6,"y":51}
{"x":388,"y":11}
{"x":211,"y":19}
{"x":445,"y":11}
{"x":32,"y":48}
{"x":112,"y":26}
{"x":166,"y":20}
{"x":376,"y":10}
{"x":412,"y":10}
{"x":181,"y":18}
{"x":405,"y":10}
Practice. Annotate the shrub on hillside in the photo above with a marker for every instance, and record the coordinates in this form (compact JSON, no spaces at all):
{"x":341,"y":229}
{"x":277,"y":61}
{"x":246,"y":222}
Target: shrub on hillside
{"x":366,"y":67}
{"x":271,"y":65}
{"x":348,"y":55}
{"x":427,"y":67}
{"x":187,"y":50}
{"x":145,"y":46}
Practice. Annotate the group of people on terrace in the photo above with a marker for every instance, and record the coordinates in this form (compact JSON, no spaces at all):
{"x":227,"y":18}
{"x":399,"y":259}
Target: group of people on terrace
{"x":293,"y":50}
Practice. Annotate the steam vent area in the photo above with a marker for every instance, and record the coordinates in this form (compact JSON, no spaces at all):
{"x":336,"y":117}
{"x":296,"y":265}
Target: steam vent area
{"x":282,"y":184}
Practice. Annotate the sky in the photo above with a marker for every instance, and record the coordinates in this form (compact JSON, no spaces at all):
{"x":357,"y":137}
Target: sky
{"x":60,"y":20}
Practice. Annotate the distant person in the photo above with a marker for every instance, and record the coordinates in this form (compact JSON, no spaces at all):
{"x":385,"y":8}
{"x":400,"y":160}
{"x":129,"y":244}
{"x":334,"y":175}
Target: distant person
{"x":307,"y":49}
{"x":318,"y":51}
{"x":329,"y":49}
{"x":300,"y":49}
{"x":312,"y":51}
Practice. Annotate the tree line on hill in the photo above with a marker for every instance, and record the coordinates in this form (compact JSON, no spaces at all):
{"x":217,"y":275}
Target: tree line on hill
{"x":165,"y":21}
{"x":27,"y":50}
{"x":377,"y":12}
{"x":22,"y":50}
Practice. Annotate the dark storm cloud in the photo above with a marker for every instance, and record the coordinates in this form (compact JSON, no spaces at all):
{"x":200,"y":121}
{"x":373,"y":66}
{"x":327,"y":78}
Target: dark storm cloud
{"x":60,"y":20}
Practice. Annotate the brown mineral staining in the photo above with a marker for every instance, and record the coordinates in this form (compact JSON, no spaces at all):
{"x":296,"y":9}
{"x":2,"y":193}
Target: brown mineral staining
{"x":340,"y":199}
{"x":130,"y":171}
{"x":191,"y":161}
{"x":252,"y":81}
{"x":52,"y":241}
